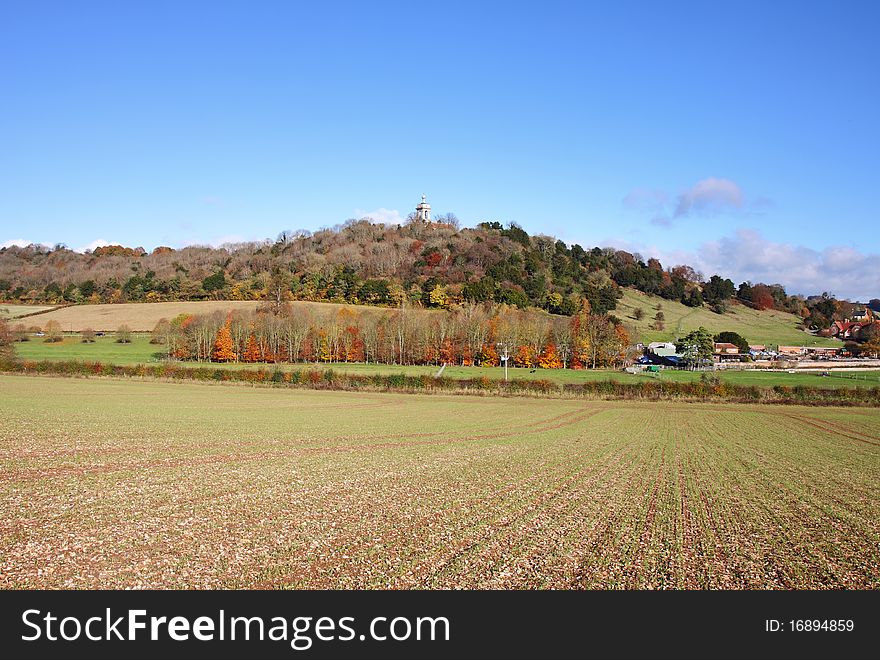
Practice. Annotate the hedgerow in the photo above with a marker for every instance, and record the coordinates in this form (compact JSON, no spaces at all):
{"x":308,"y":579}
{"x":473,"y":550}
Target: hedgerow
{"x":334,"y":380}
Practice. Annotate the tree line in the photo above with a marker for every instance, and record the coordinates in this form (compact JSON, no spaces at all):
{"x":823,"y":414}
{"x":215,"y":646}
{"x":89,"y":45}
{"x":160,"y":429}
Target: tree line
{"x":470,"y":335}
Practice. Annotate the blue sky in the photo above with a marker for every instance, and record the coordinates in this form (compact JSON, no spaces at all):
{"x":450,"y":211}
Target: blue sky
{"x":741,"y":137}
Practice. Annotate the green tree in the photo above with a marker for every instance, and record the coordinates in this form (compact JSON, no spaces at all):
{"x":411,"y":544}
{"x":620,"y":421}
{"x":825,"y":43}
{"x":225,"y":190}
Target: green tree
{"x":696,"y":347}
{"x":733,"y":338}
{"x":214,"y":282}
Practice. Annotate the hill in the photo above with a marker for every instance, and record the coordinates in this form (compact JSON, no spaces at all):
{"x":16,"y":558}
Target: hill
{"x":767,"y":326}
{"x":425,"y":264}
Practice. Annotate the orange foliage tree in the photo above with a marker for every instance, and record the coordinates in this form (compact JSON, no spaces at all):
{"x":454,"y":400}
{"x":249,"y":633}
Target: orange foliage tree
{"x":252,"y":352}
{"x":488,"y":356}
{"x":525,"y":357}
{"x":549,"y":357}
{"x":223,"y":348}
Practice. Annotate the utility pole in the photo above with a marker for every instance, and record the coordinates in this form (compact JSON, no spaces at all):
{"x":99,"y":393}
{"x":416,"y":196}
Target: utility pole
{"x":505,"y":356}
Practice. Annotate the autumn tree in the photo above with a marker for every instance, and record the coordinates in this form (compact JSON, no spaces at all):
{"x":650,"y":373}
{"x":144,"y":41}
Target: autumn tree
{"x":524,"y":357}
{"x":223,"y":347}
{"x":549,"y":357}
{"x":278,"y":290}
{"x":123,"y":334}
{"x":6,"y":339}
{"x":871,"y":347}
{"x":88,"y":336}
{"x":488,"y":356}
{"x":53,"y":332}
{"x":252,"y":352}
{"x":20,"y":333}
{"x":159,"y":335}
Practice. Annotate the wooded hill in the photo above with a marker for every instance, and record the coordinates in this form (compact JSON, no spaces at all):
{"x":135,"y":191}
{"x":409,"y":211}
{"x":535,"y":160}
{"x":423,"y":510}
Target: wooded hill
{"x":360,"y":262}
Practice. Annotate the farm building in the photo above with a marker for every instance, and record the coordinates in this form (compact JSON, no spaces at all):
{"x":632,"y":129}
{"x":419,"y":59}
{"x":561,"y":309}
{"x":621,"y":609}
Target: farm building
{"x":662,"y":348}
{"x":726,"y":348}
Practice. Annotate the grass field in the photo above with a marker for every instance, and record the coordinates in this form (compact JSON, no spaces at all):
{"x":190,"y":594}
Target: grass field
{"x":10,"y":312}
{"x":140,"y":351}
{"x":142,"y":317}
{"x":758,"y":327}
{"x":134,"y":484}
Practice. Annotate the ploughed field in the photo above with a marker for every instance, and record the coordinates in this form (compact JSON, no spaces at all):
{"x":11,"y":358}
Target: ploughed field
{"x":107,"y":483}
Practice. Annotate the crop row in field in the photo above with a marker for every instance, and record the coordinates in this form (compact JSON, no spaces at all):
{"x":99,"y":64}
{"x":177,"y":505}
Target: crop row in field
{"x":139,"y":484}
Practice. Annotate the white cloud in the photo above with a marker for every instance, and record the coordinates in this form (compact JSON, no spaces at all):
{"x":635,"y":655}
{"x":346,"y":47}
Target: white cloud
{"x":844,"y":271}
{"x":709,"y":196}
{"x":18,"y":242}
{"x":98,"y":242}
{"x":748,"y":256}
{"x":382,"y":216}
{"x":706,"y":197}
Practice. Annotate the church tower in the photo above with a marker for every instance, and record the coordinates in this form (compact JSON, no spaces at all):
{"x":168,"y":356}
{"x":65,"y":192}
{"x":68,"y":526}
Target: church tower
{"x":423,"y":211}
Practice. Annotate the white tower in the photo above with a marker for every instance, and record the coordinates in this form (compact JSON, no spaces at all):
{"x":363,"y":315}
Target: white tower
{"x":423,"y":211}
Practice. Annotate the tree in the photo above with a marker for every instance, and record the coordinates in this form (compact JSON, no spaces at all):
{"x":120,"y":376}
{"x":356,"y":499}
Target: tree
{"x":727,"y":337}
{"x":88,"y":336}
{"x":659,"y":321}
{"x":717,"y":290}
{"x":223,"y":348}
{"x":638,"y":314}
{"x":252,"y":352}
{"x":438,"y":296}
{"x":214,"y":282}
{"x":524,"y":357}
{"x":278,"y":289}
{"x":872,"y":347}
{"x":696,"y":347}
{"x":762,"y":296}
{"x":123,"y":334}
{"x":6,"y":340}
{"x":160,"y":331}
{"x":549,"y":358}
{"x":53,"y":332}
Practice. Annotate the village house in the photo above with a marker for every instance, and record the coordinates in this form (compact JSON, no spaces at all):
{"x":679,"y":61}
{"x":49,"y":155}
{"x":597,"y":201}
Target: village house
{"x":726,"y":351}
{"x":851,"y":328}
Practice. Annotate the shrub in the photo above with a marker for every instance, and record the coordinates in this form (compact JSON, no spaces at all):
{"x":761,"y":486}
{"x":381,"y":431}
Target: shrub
{"x":123,"y":334}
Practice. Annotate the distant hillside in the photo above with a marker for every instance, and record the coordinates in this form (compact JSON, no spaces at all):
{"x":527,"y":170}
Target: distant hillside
{"x":767,"y":326}
{"x":423,"y":264}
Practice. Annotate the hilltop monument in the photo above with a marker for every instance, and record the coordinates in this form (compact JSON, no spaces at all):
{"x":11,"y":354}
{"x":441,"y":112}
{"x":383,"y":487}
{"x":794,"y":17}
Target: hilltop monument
{"x":423,"y":211}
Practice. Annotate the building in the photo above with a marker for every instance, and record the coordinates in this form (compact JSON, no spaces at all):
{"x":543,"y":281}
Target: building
{"x":662,"y":348}
{"x":809,"y":351}
{"x":851,"y":328}
{"x":423,"y":211}
{"x":862,"y":314}
{"x":726,"y":348}
{"x":725,"y":351}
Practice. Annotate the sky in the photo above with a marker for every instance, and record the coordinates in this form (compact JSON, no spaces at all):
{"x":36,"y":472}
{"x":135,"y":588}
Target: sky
{"x":741,"y":138}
